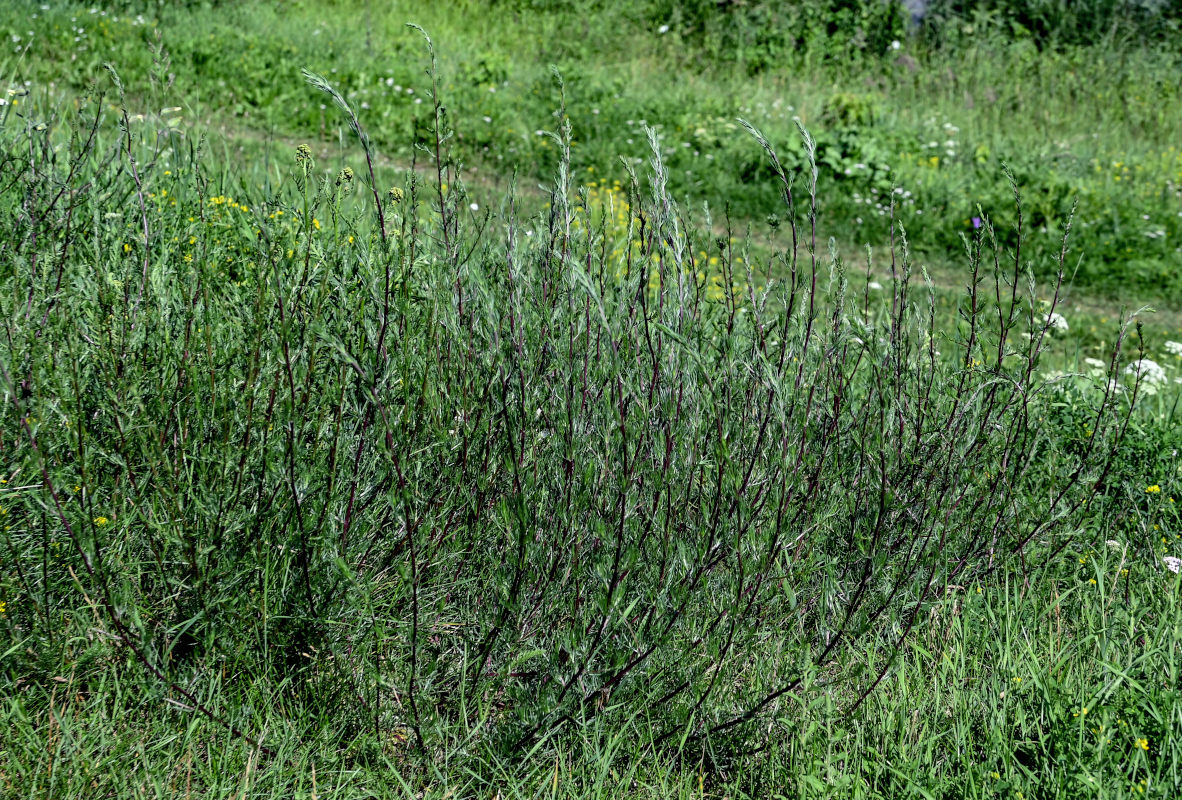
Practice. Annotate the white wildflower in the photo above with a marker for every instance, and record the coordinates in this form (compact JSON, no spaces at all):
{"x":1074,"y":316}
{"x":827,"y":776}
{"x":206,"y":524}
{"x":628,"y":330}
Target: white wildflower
{"x":1056,"y":321}
{"x":1095,"y":362}
{"x":1172,"y":563}
{"x":1148,"y":371}
{"x":1174,"y":348}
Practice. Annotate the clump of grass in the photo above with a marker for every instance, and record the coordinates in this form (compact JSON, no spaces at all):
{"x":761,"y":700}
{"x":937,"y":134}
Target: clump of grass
{"x":467,"y":483}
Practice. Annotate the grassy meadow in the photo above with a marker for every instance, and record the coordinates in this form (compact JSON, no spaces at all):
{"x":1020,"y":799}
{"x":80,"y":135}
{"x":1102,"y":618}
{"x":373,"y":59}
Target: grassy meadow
{"x":563,"y":400}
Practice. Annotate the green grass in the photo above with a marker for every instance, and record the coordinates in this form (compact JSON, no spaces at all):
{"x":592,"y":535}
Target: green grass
{"x":438,"y":483}
{"x":1094,"y":123}
{"x":985,"y":704}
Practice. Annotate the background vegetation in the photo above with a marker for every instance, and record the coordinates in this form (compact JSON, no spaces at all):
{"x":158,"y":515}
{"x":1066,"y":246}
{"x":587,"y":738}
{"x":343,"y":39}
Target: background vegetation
{"x":1080,"y":100}
{"x":436,"y":422}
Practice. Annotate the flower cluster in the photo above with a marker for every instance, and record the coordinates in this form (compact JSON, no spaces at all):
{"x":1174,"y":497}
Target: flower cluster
{"x":1147,"y":370}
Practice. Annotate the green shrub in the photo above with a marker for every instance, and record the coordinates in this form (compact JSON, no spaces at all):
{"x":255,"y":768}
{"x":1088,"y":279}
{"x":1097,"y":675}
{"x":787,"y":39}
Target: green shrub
{"x":352,"y":443}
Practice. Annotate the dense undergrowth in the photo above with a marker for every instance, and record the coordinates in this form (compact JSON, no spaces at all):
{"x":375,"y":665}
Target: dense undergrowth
{"x":317,"y":484}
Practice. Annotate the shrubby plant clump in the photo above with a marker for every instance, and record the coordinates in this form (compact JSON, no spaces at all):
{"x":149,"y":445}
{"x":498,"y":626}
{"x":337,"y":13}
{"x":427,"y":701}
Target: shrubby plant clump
{"x":470,"y":480}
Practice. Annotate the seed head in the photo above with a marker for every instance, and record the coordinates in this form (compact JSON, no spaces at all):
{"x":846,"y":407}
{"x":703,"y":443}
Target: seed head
{"x":395,"y":195}
{"x":345,"y":179}
{"x":303,"y":154}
